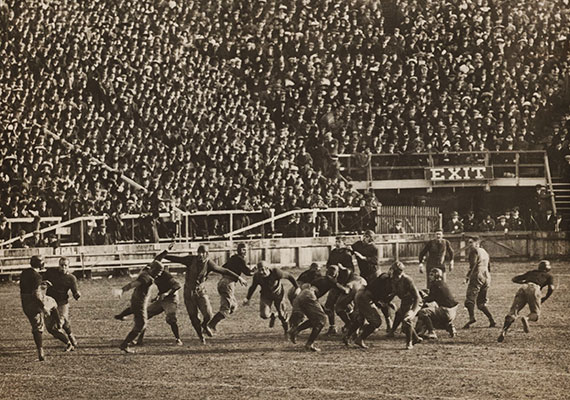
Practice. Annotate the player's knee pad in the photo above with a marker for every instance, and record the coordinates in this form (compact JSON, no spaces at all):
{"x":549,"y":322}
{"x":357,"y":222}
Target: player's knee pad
{"x":171,"y":319}
{"x":481,"y":305}
{"x":265,"y":314}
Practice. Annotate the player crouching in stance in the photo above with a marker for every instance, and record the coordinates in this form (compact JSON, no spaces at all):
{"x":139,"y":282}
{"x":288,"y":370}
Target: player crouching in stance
{"x":441,"y":313}
{"x":529,"y":293}
{"x":307,"y":304}
{"x":272,"y":293}
{"x":139,"y":301}
{"x":61,"y":283}
{"x":39,"y":308}
{"x":406,"y":290}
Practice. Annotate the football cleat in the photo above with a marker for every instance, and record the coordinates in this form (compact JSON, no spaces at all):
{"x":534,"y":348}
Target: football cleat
{"x":126,"y":349}
{"x":524,"y":321}
{"x":312,"y":347}
{"x":178,"y":342}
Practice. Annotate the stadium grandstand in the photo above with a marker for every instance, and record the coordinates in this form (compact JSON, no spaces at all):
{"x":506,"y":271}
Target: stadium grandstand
{"x":152,"y":120}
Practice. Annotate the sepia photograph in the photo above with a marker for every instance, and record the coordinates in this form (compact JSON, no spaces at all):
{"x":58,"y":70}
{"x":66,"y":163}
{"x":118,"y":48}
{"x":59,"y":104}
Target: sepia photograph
{"x":293,"y":199}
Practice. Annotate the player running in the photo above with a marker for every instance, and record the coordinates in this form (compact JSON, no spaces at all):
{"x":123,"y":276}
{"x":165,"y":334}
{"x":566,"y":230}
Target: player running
{"x":307,"y":276}
{"x":61,"y":283}
{"x":272,"y":293}
{"x":166,"y":301}
{"x":226,"y":285}
{"x":40,"y":309}
{"x":195,"y":297}
{"x":139,"y":301}
{"x":529,"y":293}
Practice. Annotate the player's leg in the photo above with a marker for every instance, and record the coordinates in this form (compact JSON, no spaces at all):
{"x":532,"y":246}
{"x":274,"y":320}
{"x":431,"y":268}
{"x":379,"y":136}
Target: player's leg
{"x":36,"y":319}
{"x":372,"y":315}
{"x":331,"y":300}
{"x":278,"y":301}
{"x":425,"y":320}
{"x":482,"y":300}
{"x":296,"y":318}
{"x":228,"y":302}
{"x":63,"y":310}
{"x":192,"y":308}
{"x":170,"y":307}
{"x":534,"y":302}
{"x":53,"y":326}
{"x":470,"y":299}
{"x":389,"y":312}
{"x":121,"y":316}
{"x":317,"y":318}
{"x":518,"y":304}
{"x":398,"y":318}
{"x":205,"y":309}
{"x":140,"y":319}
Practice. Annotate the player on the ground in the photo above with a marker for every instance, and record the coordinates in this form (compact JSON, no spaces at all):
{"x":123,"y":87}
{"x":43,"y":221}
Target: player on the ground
{"x":436,"y":253}
{"x":195,"y":296}
{"x":61,"y":283}
{"x":307,"y":304}
{"x":368,"y":302}
{"x":441,"y":313}
{"x":37,"y":306}
{"x":166,"y":301}
{"x":272,"y":293}
{"x":529,"y":293}
{"x":139,"y":301}
{"x":366,"y":254}
{"x":404,"y":287}
{"x":478,"y":280}
{"x":341,"y":256}
{"x":226,"y":285}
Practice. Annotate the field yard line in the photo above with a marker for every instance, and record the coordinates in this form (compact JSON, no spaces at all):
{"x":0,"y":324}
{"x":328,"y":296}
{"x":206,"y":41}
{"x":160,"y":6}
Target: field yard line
{"x":159,"y":382}
{"x":416,"y":367}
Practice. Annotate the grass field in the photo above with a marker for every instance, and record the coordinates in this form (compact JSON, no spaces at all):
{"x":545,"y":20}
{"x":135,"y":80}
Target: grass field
{"x":248,"y":360}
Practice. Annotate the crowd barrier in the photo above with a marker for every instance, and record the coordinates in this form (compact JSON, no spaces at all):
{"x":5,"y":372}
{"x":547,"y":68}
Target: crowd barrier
{"x":284,"y":252}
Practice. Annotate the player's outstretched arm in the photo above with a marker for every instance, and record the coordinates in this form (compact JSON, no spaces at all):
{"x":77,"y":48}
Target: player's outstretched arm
{"x":549,"y":292}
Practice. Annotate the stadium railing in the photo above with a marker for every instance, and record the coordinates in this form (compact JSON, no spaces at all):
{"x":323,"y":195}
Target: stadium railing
{"x":284,"y":252}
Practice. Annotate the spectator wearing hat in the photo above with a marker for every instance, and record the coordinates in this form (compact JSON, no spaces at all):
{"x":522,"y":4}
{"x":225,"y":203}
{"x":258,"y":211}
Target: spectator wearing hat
{"x":487,"y":224}
{"x":454,"y":225}
{"x":502,"y":225}
{"x":397,"y":227}
{"x":548,"y":223}
{"x":21,"y":242}
{"x":5,"y":231}
{"x":516,"y":223}
{"x":470,"y":224}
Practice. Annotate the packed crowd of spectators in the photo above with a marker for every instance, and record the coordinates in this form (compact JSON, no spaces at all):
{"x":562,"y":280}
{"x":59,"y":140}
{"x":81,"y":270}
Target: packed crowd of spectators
{"x":245,"y":104}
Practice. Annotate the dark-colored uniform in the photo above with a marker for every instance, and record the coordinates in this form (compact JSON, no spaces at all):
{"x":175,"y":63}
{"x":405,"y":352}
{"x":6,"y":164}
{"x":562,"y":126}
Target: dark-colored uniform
{"x":530,"y":293}
{"x":369,"y":268}
{"x":368,"y":302}
{"x":195,"y":296}
{"x":169,"y":304}
{"x":306,"y":277}
{"x":272,"y":292}
{"x":438,"y":252}
{"x":226,"y":285}
{"x":32,"y":304}
{"x":62,"y":283}
{"x":410,"y":298}
{"x":307,"y":304}
{"x":139,"y":306}
{"x":343,"y":258}
{"x":442,"y":314}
